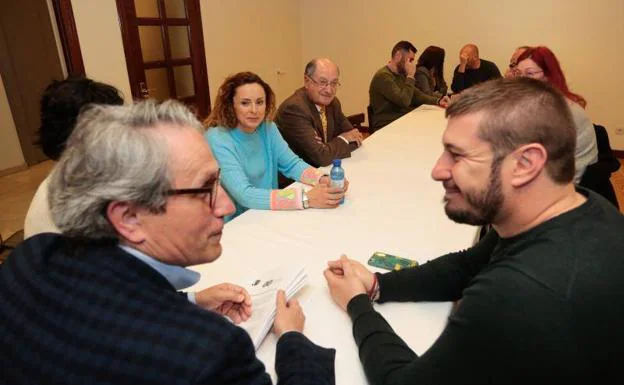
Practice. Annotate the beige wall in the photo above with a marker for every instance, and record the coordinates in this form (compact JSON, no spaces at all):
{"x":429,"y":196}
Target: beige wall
{"x":258,"y":36}
{"x":100,"y":42}
{"x":282,"y":35}
{"x":263,"y":37}
{"x":587,"y":38}
{"x":10,"y":149}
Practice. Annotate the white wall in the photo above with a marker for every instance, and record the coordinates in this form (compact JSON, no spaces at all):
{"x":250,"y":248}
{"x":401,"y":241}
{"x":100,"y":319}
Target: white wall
{"x":273,"y":35}
{"x":259,"y":36}
{"x":239,"y":35}
{"x":586,"y":36}
{"x":100,"y":42}
{"x":10,"y":150}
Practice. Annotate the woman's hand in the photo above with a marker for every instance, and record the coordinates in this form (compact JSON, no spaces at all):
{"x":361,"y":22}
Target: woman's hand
{"x":322,"y":196}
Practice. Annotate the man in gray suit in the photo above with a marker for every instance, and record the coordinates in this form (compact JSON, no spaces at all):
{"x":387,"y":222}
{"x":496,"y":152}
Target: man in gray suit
{"x":311,"y":120}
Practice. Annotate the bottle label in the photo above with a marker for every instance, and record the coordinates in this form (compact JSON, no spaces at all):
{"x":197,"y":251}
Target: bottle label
{"x":336,"y":183}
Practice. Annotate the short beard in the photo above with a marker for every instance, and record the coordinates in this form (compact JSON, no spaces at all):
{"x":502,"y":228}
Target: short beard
{"x":485,"y":204}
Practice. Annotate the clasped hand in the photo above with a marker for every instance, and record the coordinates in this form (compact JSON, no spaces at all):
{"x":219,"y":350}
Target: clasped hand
{"x":346,"y":279}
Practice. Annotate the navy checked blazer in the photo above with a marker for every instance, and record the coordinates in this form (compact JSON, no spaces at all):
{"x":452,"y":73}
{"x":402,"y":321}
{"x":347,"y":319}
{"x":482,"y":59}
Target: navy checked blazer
{"x":92,"y":314}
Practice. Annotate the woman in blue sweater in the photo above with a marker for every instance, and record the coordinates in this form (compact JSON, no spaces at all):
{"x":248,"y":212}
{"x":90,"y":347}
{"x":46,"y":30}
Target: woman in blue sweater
{"x":250,"y":152}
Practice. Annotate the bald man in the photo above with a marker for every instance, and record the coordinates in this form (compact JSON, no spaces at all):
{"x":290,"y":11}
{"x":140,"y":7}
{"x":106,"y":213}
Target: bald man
{"x":472,"y":69}
{"x":513,"y":61}
{"x":311,"y":120}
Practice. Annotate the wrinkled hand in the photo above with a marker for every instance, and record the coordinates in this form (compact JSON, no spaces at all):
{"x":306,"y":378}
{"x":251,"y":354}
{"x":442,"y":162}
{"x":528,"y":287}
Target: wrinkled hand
{"x":289,"y":315}
{"x":353,"y":136}
{"x":444,"y":101}
{"x":344,"y":284}
{"x":227,"y":299}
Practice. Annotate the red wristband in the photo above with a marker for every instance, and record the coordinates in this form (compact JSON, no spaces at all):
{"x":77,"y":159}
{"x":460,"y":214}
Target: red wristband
{"x":373,"y":290}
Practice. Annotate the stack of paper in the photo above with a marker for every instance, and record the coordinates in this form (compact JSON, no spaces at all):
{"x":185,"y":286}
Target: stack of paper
{"x":263,"y":291}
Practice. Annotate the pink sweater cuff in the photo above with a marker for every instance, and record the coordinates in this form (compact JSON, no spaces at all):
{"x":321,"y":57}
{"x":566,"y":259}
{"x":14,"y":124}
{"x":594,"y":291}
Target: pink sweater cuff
{"x":286,"y":199}
{"x":311,"y":176}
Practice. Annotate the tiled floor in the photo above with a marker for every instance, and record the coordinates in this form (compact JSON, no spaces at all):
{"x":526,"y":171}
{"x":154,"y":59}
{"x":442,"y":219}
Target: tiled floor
{"x":17,"y":190}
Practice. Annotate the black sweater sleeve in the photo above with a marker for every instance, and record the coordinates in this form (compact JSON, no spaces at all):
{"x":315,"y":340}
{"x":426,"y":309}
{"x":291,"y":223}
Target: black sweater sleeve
{"x":441,"y":279}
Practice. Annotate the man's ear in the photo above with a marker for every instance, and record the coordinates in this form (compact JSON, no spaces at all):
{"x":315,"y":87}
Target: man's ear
{"x":125,"y":218}
{"x":530,"y":161}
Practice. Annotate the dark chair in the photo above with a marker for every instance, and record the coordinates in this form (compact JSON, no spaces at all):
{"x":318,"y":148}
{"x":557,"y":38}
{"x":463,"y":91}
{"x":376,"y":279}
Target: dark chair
{"x":356,"y":121}
{"x":597,"y":176}
{"x":369,"y":111}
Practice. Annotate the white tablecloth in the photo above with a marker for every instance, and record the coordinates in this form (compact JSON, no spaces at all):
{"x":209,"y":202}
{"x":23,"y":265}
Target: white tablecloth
{"x":392,"y":205}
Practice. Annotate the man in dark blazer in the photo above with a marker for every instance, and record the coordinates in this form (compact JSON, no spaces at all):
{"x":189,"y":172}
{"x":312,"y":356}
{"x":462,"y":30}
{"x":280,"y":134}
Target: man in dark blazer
{"x":311,"y":120}
{"x":136,"y":195}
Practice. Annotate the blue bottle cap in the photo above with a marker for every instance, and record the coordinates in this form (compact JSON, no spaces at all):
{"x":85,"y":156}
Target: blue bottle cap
{"x":337,"y":162}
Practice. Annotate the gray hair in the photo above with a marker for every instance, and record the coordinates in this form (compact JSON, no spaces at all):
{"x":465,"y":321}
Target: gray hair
{"x":310,"y":68}
{"x":114,"y":154}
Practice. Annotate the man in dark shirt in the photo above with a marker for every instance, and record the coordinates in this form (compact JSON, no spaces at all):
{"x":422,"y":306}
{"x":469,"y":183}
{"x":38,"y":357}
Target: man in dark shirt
{"x":472,"y":70}
{"x":541,"y":294}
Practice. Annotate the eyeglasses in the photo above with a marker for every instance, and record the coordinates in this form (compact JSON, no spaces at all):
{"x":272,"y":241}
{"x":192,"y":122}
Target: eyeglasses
{"x":207,"y":193}
{"x":324,"y":83}
{"x":529,"y":74}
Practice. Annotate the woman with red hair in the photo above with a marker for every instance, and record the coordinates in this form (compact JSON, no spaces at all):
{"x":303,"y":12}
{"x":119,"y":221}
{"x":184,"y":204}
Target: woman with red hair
{"x":542,"y":64}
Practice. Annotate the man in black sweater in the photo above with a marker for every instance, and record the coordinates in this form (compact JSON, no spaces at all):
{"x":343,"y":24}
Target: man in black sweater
{"x":136,"y":195}
{"x":541,"y":295}
{"x":472,"y":70}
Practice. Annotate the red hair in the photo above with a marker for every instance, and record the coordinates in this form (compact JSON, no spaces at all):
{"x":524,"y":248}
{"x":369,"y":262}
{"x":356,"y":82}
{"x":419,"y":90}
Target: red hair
{"x":547,"y":61}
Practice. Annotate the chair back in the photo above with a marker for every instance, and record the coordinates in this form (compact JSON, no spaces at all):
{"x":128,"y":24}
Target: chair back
{"x":597,"y":176}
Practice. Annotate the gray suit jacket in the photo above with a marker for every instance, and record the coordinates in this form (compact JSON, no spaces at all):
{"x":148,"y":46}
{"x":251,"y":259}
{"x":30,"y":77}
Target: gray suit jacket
{"x":299,"y":123}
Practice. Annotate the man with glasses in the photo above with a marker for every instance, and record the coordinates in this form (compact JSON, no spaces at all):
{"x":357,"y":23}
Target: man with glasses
{"x":512,"y":71}
{"x":136,"y":196}
{"x":311,"y":120}
{"x":393,"y":92}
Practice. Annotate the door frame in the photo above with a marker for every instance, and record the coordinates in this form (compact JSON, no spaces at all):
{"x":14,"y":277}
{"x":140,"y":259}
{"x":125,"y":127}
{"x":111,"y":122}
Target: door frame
{"x":68,"y":35}
{"x":132,"y":51}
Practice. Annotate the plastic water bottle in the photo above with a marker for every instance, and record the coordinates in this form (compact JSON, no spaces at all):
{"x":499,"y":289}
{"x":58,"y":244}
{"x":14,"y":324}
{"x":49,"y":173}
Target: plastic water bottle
{"x":336,"y":176}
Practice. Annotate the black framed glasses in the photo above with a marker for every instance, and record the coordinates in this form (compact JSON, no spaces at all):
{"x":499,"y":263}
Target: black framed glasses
{"x":208,"y":193}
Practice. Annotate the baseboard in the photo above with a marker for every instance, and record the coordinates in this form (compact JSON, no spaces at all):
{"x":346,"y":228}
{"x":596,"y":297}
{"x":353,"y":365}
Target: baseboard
{"x":619,"y":153}
{"x":12,"y":170}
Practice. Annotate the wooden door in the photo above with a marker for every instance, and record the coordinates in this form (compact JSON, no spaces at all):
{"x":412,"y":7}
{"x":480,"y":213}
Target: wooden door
{"x":29,"y":61}
{"x":164,"y":50}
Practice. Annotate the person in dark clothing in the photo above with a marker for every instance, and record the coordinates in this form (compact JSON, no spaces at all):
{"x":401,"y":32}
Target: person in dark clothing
{"x":540,"y":293}
{"x":472,"y":70}
{"x":136,"y":195}
{"x":393,"y":92}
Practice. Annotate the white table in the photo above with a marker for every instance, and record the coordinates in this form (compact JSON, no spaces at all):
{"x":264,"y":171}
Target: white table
{"x":392,"y":205}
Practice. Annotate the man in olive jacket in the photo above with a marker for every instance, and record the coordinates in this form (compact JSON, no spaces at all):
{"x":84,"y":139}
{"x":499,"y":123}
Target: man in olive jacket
{"x":393,"y":92}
